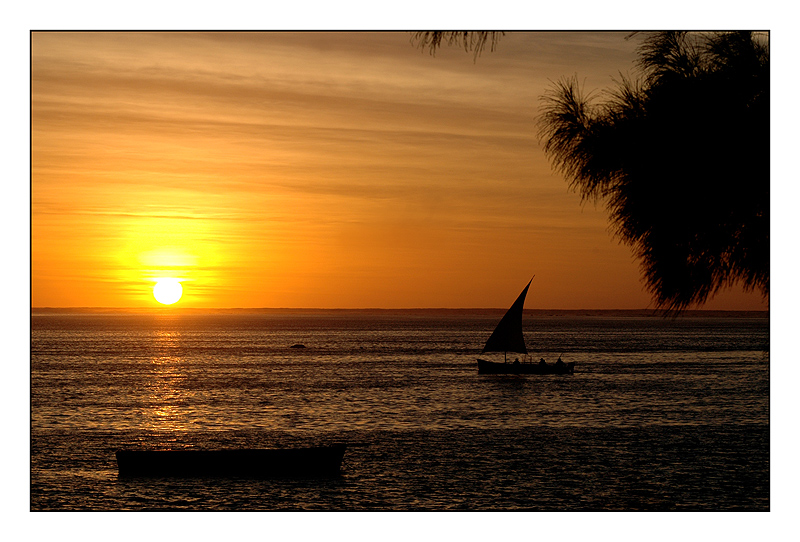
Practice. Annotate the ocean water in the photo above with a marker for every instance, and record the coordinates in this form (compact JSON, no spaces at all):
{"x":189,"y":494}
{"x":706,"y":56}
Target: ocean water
{"x":661,"y":414}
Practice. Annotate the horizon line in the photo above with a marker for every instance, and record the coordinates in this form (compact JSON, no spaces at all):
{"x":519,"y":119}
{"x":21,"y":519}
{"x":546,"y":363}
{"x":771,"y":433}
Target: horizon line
{"x":374,"y":309}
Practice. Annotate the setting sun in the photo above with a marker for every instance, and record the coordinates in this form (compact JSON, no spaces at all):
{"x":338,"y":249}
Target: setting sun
{"x":167,"y":291}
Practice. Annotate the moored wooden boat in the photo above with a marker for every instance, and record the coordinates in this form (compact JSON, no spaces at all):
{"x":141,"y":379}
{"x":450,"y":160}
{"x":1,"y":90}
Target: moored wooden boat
{"x":249,"y":463}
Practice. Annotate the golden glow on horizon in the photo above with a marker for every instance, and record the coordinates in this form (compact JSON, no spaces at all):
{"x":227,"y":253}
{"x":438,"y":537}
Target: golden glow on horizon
{"x":167,"y":291}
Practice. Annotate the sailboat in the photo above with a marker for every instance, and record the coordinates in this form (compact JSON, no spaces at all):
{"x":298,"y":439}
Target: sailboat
{"x":507,"y":337}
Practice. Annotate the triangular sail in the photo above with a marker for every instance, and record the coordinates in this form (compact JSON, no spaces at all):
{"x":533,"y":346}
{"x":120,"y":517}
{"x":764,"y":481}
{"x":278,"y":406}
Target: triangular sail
{"x":507,"y":336}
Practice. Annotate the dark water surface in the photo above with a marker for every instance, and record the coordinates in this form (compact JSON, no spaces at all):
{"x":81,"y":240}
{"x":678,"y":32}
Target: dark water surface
{"x":661,"y":414}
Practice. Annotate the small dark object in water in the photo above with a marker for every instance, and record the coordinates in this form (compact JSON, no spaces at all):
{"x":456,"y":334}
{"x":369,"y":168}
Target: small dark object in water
{"x":248,"y":463}
{"x":298,"y":345}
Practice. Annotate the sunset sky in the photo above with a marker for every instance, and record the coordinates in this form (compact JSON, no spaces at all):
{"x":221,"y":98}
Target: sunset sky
{"x":315,"y":170}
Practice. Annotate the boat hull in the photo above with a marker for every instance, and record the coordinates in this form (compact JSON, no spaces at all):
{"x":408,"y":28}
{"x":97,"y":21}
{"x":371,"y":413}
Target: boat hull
{"x":492,"y":367}
{"x":249,"y":463}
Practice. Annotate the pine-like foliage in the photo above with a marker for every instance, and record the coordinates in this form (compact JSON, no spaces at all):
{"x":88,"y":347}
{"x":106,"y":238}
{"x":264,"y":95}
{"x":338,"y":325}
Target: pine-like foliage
{"x":474,"y":41}
{"x":681,"y":159}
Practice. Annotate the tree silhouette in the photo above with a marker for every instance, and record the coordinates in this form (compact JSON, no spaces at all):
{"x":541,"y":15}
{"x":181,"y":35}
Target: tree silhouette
{"x":681,"y":159}
{"x":471,"y":41}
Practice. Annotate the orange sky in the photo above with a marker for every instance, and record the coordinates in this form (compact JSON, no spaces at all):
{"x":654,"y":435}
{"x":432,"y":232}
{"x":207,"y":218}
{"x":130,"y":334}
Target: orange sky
{"x":327,"y":170}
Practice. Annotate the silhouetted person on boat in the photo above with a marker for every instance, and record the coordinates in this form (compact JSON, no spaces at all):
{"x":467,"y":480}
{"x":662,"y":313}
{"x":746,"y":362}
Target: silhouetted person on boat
{"x":560,"y":365}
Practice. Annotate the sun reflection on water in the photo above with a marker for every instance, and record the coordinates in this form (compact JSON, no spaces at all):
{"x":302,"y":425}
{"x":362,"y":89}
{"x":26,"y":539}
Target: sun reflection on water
{"x":168,"y":402}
